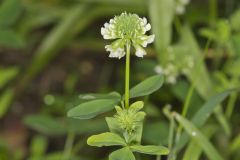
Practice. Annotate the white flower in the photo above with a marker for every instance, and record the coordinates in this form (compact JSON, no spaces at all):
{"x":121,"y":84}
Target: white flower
{"x":127,"y":28}
{"x":147,"y":40}
{"x":159,"y":70}
{"x":180,"y":9}
{"x":171,"y":79}
{"x":185,"y":2}
{"x":181,"y":5}
{"x":170,"y":72}
{"x":140,"y":52}
{"x":116,"y":49}
{"x":115,"y":52}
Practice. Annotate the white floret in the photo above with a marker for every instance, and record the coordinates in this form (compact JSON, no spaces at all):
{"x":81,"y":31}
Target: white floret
{"x":140,"y":52}
{"x":147,"y":40}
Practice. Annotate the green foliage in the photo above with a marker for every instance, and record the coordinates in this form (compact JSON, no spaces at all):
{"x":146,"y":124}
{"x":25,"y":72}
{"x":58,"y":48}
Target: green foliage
{"x":162,"y":14}
{"x":106,"y":139}
{"x":93,"y":108}
{"x":202,"y":115}
{"x":45,"y":124}
{"x":153,"y":150}
{"x":197,"y":51}
{"x":127,"y":123}
{"x":11,"y":39}
{"x":7,"y":74}
{"x":122,"y":154}
{"x":92,"y":96}
{"x":234,"y":147}
{"x":5,"y":100}
{"x":160,"y":134}
{"x":9,"y":12}
{"x":199,"y":138}
{"x":193,"y":151}
{"x":38,"y":147}
{"x":234,"y":20}
{"x":147,"y":86}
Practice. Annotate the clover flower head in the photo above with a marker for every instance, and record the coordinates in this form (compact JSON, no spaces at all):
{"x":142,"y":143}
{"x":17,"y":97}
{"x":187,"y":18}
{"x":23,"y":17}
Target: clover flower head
{"x":127,"y":28}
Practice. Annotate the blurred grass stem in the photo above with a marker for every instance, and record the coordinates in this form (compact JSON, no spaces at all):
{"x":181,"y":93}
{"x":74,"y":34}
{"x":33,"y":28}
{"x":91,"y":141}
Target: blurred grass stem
{"x":185,"y":109}
{"x":213,"y":12}
{"x":68,"y":146}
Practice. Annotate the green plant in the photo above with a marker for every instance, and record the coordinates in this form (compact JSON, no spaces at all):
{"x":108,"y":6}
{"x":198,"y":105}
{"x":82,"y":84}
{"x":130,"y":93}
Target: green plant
{"x":127,"y":124}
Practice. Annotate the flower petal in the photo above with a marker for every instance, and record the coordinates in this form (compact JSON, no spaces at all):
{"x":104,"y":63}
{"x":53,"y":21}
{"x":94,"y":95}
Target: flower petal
{"x":104,"y":31}
{"x":159,"y":70}
{"x":116,"y":49}
{"x":106,"y":25}
{"x":180,"y":9}
{"x":147,"y":40}
{"x":140,"y":52}
{"x":119,"y":53}
{"x":185,"y":2}
{"x":147,"y":27}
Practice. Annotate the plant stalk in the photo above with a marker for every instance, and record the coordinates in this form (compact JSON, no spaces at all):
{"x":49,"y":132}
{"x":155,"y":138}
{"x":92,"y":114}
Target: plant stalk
{"x":68,"y":146}
{"x":185,"y":109}
{"x":127,"y":75}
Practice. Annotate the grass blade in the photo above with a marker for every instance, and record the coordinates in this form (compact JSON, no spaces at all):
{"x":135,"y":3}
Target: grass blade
{"x":199,"y":138}
{"x":204,"y":112}
{"x":5,"y":100}
{"x":235,"y":145}
{"x":194,"y":151}
{"x":161,"y":14}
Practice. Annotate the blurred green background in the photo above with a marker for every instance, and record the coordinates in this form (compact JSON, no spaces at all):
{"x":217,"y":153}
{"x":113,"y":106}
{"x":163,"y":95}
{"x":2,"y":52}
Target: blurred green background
{"x":51,"y":51}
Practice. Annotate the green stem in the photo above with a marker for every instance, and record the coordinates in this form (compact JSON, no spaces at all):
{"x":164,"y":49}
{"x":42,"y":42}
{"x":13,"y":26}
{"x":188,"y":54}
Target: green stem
{"x":172,"y":153}
{"x":158,"y":158}
{"x":177,"y":24}
{"x":68,"y":146}
{"x":127,"y":75}
{"x":185,"y":107}
{"x":168,"y":114}
{"x":232,"y":100}
{"x":231,"y":104}
{"x":171,"y":133}
{"x":213,"y":12}
{"x":78,"y":146}
{"x":189,"y":96}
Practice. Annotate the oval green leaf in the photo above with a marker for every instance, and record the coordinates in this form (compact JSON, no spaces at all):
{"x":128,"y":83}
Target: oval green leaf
{"x":113,"y":125}
{"x":94,"y":96}
{"x":92,"y":108}
{"x":136,"y":106}
{"x":150,"y":149}
{"x":45,"y":124}
{"x":122,"y":154}
{"x":147,"y":86}
{"x":106,"y":139}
